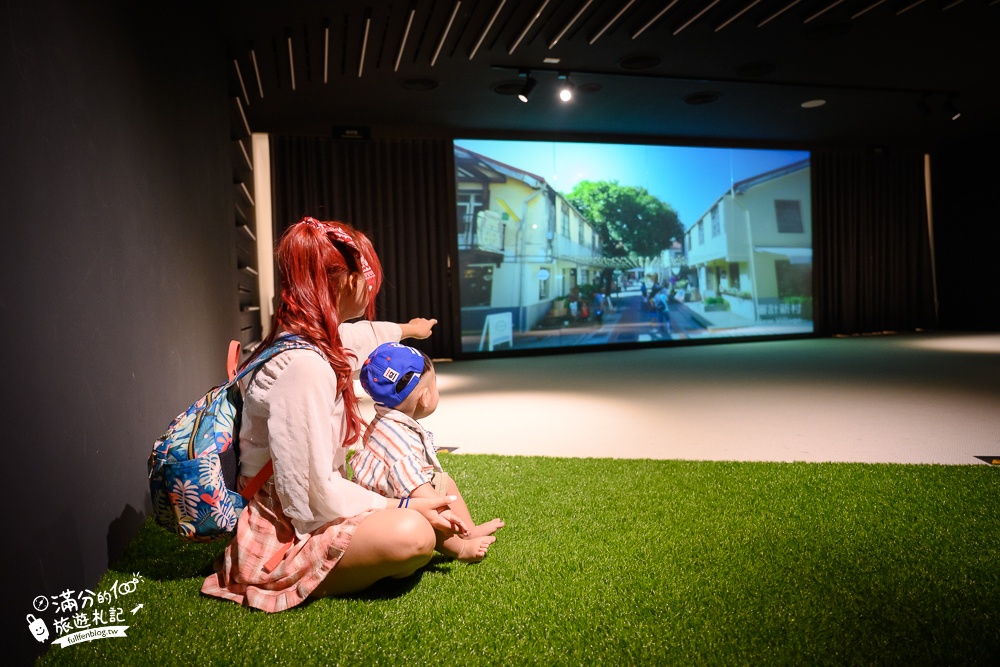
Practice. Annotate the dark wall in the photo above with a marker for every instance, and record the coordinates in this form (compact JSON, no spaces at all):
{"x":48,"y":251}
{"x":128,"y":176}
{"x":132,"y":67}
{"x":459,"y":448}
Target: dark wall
{"x":117,"y":284}
{"x":967,"y":236}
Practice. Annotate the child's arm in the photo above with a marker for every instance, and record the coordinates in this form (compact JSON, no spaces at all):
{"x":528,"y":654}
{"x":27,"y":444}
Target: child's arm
{"x":425,"y":490}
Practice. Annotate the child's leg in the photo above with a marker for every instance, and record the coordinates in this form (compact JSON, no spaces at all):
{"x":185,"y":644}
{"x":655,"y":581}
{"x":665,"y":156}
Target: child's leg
{"x":462,"y":510}
{"x":469,"y":548}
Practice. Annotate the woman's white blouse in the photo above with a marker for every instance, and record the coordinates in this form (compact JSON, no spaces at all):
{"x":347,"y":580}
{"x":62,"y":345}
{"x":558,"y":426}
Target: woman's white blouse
{"x":293,"y":414}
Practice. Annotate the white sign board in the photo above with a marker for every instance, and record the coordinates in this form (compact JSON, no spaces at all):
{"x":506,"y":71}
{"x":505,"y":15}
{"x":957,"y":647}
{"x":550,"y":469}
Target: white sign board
{"x":497,"y":329}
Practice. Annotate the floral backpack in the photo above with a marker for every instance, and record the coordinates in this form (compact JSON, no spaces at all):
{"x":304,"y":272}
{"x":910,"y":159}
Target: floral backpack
{"x":194,"y":466}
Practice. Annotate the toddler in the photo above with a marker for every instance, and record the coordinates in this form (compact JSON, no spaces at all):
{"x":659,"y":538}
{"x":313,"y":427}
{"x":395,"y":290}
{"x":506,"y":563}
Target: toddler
{"x":398,"y":458}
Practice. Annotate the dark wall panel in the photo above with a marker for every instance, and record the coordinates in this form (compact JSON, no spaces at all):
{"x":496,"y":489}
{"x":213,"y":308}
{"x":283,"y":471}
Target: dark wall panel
{"x":967,"y":236}
{"x":117,"y":284}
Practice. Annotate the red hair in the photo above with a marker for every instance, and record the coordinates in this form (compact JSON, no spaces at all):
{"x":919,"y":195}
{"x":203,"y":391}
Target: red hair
{"x":315,"y":260}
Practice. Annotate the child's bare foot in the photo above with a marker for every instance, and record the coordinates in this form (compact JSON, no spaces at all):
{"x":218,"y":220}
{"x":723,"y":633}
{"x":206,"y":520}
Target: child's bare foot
{"x":475,"y":548}
{"x":487,"y":528}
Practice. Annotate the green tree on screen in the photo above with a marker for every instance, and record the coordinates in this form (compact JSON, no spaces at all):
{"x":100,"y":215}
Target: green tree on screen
{"x":631,"y":220}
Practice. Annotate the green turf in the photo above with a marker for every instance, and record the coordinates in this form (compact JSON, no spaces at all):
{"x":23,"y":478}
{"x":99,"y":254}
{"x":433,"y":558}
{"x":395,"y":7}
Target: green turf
{"x":626,"y":562}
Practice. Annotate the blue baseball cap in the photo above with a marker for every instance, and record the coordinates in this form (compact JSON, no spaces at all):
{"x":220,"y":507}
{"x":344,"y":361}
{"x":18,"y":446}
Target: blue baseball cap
{"x":383,"y":369}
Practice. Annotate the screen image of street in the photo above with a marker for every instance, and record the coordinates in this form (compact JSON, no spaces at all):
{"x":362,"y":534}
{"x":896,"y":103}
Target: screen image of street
{"x":578,"y":244}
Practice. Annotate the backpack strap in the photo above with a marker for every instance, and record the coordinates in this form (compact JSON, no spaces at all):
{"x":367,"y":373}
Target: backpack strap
{"x":233,"y":359}
{"x":280,"y":345}
{"x":253,"y":486}
{"x":279,"y":555}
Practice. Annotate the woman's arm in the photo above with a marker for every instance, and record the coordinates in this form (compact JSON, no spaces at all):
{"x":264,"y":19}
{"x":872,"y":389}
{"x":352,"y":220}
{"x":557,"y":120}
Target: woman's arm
{"x":361,"y":337}
{"x":418,"y":327}
{"x":435,"y":509}
{"x":364,"y":336}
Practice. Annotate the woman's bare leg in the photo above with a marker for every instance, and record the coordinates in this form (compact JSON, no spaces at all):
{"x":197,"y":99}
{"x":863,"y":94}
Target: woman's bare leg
{"x":391,"y":543}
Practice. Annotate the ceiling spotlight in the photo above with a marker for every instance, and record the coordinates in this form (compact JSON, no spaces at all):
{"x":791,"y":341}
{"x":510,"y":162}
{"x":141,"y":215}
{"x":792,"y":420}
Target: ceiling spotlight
{"x":952,"y":110}
{"x":529,"y":85}
{"x":565,"y":88}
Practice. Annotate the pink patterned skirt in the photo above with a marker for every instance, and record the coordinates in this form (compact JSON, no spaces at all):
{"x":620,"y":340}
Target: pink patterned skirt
{"x":266,"y":567}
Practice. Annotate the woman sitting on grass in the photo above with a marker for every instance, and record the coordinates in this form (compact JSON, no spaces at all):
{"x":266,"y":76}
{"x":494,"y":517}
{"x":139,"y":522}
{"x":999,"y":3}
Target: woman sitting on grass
{"x":309,"y":532}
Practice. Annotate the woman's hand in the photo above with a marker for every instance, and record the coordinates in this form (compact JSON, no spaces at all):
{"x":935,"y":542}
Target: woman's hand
{"x":436,"y":511}
{"x":418,"y":327}
{"x":458,"y":524}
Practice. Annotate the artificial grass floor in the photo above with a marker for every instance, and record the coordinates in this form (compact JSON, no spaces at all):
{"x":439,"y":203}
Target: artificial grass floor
{"x":629,"y":562}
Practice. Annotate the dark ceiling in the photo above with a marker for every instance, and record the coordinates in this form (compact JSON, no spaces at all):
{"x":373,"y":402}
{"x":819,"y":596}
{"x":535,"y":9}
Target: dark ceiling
{"x":889,"y":71}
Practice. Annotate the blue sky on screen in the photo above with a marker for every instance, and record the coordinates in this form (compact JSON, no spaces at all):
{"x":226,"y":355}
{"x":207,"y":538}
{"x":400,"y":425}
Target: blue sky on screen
{"x":690,"y":179}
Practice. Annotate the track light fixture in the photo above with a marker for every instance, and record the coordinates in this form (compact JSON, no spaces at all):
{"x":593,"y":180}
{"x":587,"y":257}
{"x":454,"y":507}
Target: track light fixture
{"x":951,"y":109}
{"x":529,"y":85}
{"x":565,"y":88}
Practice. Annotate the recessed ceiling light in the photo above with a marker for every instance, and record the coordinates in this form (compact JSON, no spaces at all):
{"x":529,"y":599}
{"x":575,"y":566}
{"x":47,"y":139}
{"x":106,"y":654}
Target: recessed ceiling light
{"x":419,"y":84}
{"x":640,"y":62}
{"x":812,"y":104}
{"x":551,"y":61}
{"x":755,"y":69}
{"x":706,"y":97}
{"x":566,"y":89}
{"x":508,"y":87}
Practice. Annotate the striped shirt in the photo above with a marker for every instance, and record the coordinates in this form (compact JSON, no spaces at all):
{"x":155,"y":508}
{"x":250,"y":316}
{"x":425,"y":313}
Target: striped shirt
{"x":398,"y":455}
